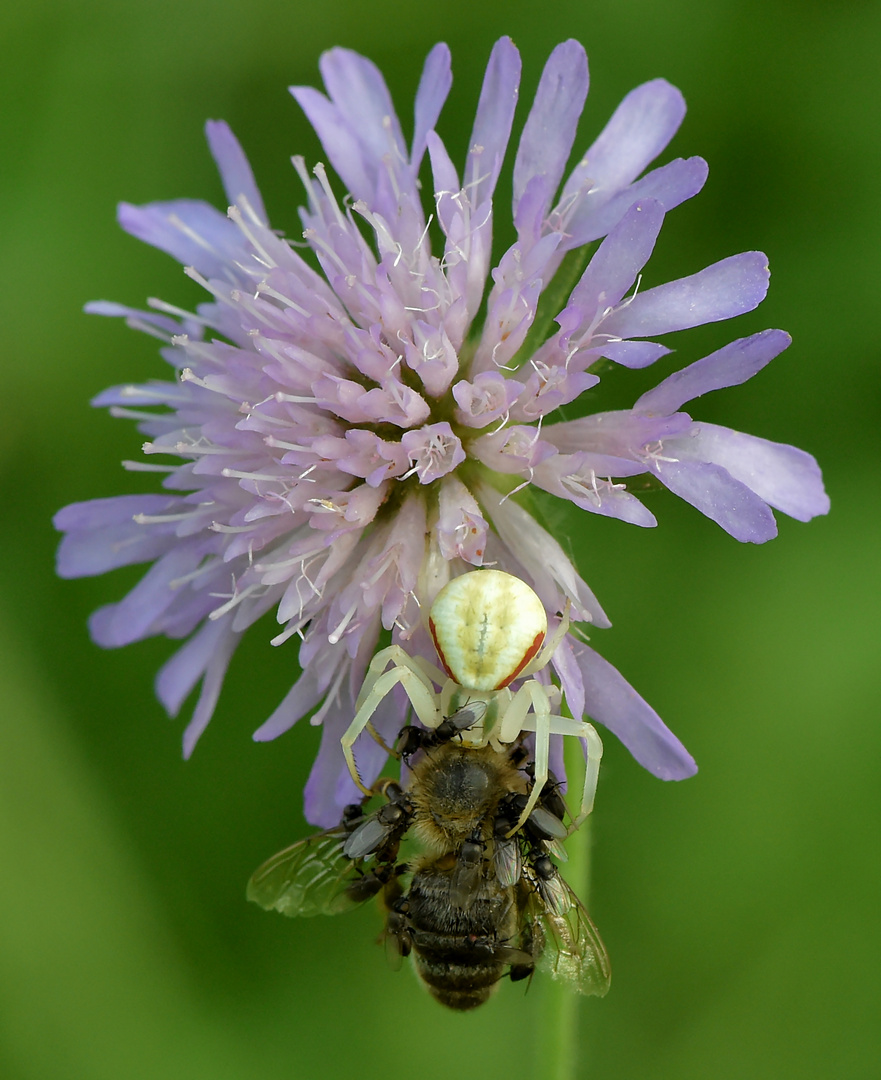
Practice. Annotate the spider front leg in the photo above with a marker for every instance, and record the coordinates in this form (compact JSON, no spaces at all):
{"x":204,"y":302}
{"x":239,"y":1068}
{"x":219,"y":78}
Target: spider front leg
{"x":410,"y":673}
{"x":545,"y":724}
{"x":563,"y":725}
{"x":395,"y":655}
{"x":516,"y":718}
{"x":591,"y":771}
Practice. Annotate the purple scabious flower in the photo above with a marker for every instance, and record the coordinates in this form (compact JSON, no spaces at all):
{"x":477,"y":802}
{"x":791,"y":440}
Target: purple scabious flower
{"x":341,"y":436}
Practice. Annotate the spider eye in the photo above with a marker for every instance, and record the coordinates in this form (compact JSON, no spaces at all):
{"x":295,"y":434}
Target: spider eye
{"x":487,"y":625}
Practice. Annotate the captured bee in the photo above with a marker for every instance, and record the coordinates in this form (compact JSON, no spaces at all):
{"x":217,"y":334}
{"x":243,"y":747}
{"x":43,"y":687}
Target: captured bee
{"x":480,"y":900}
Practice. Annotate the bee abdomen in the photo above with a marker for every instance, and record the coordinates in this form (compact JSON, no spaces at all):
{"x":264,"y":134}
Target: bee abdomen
{"x":461,"y":983}
{"x":457,"y":949}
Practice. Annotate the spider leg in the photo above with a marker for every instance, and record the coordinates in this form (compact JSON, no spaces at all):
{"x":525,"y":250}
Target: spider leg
{"x":516,"y":718}
{"x":416,"y":685}
{"x":378,"y":738}
{"x":551,"y":643}
{"x":540,"y":722}
{"x":513,"y":711}
{"x":564,"y":725}
{"x":591,"y":774}
{"x":395,"y":655}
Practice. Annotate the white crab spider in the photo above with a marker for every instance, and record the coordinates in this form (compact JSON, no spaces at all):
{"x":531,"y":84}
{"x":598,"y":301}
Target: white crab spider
{"x":488,"y":628}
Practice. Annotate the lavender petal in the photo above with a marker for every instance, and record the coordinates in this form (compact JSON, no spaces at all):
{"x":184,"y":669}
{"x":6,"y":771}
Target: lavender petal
{"x":102,"y":534}
{"x":189,"y":230}
{"x":434,"y":86}
{"x":550,"y":129}
{"x":330,"y":787}
{"x":619,"y":259}
{"x":492,"y":123}
{"x":234,"y":167}
{"x":134,"y":617}
{"x":721,"y":291}
{"x":211,"y":687}
{"x":729,"y":366}
{"x":640,"y":128}
{"x":633,"y":354}
{"x":714,"y":491}
{"x":671,"y":185}
{"x":785,"y":477}
{"x":611,"y":701}
{"x":178,"y":675}
{"x":302,"y":697}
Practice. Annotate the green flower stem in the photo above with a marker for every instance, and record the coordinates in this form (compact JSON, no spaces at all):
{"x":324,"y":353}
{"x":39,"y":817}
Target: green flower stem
{"x":560,"y":1052}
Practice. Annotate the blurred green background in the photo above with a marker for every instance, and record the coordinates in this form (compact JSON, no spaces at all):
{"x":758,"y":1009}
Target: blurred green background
{"x":741,"y":908}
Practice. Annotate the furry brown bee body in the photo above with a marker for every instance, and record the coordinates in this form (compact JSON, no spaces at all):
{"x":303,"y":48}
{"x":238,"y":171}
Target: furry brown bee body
{"x":482,"y":899}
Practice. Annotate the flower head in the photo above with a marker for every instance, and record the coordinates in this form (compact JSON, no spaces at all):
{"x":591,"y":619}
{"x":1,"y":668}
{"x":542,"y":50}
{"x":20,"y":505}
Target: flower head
{"x":341,"y":436}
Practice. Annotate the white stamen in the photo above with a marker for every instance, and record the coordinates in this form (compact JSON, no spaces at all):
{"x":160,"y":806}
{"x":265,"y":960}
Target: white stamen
{"x":218,"y":526}
{"x":198,"y":572}
{"x":235,"y":599}
{"x":162,"y":519}
{"x":332,"y":698}
{"x":201,"y":349}
{"x":148,"y":328}
{"x":192,"y":234}
{"x":321,"y":175}
{"x":389,"y":559}
{"x":280,"y":444}
{"x":652,"y":452}
{"x":238,"y":474}
{"x":514,"y":491}
{"x":215,"y":290}
{"x":120,"y":412}
{"x":235,"y":214}
{"x":168,"y":392}
{"x":336,"y":634}
{"x":263,"y":289}
{"x":172,"y":309}
{"x":188,"y":375}
{"x":294,"y":399}
{"x":289,"y":631}
{"x":145,"y":466}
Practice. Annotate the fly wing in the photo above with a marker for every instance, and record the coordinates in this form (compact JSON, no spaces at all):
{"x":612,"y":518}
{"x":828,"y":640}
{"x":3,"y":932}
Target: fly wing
{"x":309,"y":878}
{"x":568,"y":946}
{"x":507,"y":861}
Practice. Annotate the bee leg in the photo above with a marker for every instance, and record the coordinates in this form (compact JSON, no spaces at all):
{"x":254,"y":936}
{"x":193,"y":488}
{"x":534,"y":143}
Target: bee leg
{"x":396,"y":936}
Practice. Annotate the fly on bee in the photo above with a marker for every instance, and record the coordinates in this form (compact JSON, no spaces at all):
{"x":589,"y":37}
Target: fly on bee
{"x":481,"y":900}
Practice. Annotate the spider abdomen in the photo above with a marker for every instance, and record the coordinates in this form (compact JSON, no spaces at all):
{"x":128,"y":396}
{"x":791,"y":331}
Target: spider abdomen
{"x":487,"y":626}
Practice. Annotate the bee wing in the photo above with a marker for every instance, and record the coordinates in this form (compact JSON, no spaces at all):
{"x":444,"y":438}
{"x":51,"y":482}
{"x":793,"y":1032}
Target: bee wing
{"x":307,"y":878}
{"x":568,"y":946}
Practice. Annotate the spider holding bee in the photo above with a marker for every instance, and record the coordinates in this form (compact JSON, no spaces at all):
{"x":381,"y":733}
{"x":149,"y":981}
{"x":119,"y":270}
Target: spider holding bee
{"x":489,"y":629}
{"x":482,"y":897}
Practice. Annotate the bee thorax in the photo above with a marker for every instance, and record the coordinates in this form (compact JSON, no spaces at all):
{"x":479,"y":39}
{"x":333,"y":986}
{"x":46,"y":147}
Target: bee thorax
{"x":456,"y":793}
